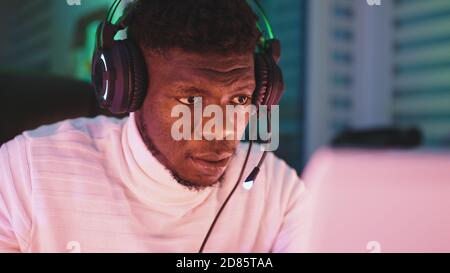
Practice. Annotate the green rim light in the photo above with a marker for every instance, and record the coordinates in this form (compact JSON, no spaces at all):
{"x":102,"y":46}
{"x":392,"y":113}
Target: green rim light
{"x":265,"y":19}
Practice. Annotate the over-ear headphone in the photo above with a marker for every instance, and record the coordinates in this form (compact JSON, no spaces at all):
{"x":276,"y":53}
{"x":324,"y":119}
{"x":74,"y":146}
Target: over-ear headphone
{"x":120,"y":77}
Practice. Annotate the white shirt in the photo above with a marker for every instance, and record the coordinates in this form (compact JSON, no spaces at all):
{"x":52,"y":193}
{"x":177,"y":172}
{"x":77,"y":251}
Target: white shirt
{"x":91,"y":185}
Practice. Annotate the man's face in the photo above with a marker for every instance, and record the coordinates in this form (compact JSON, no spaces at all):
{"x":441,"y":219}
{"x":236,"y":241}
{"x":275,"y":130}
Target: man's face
{"x":177,"y":78}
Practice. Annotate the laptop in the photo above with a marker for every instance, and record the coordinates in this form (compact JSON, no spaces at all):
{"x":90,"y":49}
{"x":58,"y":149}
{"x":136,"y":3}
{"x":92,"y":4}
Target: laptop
{"x":378,"y":201}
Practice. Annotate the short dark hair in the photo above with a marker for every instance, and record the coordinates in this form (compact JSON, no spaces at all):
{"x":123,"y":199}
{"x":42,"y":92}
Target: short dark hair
{"x":195,"y":26}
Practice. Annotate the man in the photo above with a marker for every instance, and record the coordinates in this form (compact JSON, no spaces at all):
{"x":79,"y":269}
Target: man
{"x":109,"y":185}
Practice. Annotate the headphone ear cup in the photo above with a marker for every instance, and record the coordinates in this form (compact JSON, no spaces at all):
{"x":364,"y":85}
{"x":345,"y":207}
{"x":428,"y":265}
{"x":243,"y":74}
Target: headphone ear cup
{"x":130,"y":79}
{"x":276,"y":86}
{"x":261,"y":79}
{"x":100,"y":78}
{"x":138,"y":78}
{"x":269,"y":81}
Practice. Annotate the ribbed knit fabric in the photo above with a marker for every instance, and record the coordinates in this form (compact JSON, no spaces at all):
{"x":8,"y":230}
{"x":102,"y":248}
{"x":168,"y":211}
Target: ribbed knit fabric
{"x":91,"y":185}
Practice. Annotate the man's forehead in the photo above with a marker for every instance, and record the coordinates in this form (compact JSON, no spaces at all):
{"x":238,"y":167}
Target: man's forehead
{"x":208,"y":62}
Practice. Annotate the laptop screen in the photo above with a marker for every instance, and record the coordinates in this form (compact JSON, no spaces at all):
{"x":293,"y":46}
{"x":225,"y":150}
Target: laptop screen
{"x":378,"y":201}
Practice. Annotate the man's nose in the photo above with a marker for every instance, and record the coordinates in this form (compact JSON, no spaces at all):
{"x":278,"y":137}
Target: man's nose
{"x":216,"y":124}
{"x":220,"y":132}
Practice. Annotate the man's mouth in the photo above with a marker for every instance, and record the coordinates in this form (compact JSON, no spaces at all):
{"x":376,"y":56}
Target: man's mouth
{"x":210,"y":163}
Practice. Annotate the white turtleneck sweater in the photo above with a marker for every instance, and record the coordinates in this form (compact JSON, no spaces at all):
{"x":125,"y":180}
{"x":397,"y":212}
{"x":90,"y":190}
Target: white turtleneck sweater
{"x":91,"y":185}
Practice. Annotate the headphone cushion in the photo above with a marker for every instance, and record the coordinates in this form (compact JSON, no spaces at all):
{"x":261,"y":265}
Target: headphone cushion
{"x":261,"y":79}
{"x":277,"y":86}
{"x":269,"y":80}
{"x":137,"y":75}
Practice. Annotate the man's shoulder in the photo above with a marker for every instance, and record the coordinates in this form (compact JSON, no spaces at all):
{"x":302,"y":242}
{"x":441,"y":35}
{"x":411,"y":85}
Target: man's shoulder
{"x":281,"y":185}
{"x":273,"y":168}
{"x":65,"y":137}
{"x":91,"y":128}
{"x":60,"y":148}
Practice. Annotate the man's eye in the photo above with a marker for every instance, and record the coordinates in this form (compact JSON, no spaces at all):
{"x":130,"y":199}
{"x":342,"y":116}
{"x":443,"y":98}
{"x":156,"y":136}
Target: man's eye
{"x":240,"y":100}
{"x":189,"y":100}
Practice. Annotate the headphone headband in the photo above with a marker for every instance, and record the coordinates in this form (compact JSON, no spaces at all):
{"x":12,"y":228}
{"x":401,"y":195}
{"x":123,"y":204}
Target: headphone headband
{"x":122,"y":22}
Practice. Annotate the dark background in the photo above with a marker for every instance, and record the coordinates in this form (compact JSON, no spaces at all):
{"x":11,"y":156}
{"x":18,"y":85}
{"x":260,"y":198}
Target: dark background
{"x":346,"y":64}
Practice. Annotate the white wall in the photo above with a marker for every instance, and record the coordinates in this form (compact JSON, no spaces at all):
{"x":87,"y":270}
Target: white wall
{"x":363,"y":35}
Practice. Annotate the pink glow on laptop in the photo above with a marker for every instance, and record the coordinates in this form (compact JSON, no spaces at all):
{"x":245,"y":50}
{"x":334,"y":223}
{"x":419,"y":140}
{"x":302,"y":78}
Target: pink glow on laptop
{"x":378,"y":201}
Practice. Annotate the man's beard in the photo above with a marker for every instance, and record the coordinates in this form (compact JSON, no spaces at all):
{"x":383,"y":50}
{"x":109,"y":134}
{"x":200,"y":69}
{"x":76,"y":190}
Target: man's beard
{"x":193,"y":186}
{"x":157,"y":154}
